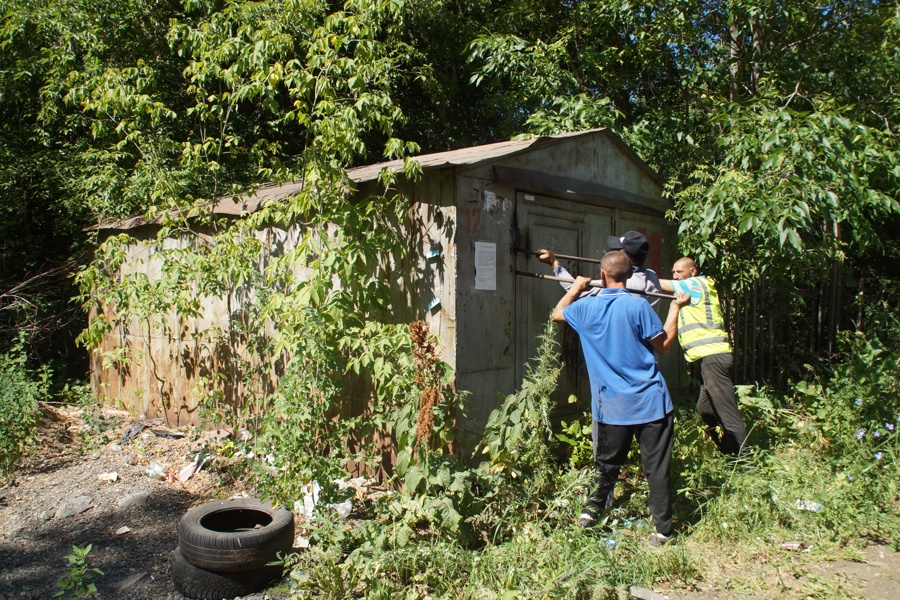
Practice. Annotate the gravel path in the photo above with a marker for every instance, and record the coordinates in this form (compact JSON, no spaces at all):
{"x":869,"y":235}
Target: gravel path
{"x":63,"y":498}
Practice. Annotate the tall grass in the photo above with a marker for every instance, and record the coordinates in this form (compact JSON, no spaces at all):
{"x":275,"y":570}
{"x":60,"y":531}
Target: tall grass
{"x":824,"y":473}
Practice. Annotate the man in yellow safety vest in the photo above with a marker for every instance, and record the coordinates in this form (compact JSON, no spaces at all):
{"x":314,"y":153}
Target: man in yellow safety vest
{"x":703,"y":337}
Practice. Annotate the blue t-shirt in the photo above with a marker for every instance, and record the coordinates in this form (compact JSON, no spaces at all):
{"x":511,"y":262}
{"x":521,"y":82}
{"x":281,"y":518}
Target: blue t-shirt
{"x":615,"y":329}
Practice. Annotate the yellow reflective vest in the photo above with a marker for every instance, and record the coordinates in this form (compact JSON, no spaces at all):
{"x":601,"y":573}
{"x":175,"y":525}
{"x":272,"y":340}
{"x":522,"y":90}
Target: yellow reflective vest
{"x":701,"y":328}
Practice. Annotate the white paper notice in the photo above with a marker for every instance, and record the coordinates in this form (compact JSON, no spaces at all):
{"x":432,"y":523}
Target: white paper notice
{"x":485,"y":266}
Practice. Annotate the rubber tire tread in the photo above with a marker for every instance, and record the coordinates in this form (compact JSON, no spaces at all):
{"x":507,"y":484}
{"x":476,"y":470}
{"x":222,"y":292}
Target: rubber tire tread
{"x":239,"y":550}
{"x":200,"y":584}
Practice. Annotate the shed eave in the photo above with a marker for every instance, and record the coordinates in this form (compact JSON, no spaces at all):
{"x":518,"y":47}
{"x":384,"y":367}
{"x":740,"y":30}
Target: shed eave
{"x":465,"y":157}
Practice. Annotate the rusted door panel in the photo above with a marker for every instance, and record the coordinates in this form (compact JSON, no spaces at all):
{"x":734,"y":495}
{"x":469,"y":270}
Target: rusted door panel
{"x":565,"y":228}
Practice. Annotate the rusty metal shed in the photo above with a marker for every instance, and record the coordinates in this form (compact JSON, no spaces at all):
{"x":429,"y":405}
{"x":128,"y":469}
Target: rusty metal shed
{"x":474,"y":210}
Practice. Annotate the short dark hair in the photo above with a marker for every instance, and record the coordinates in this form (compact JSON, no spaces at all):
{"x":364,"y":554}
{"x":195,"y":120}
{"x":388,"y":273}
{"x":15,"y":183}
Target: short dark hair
{"x":617,"y":266}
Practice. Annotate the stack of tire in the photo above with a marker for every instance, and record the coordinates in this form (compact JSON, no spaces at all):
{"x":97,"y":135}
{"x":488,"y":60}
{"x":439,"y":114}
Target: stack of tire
{"x":225,"y":547}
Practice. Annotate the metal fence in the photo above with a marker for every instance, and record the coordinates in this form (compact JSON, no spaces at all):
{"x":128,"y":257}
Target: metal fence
{"x":777,"y":331}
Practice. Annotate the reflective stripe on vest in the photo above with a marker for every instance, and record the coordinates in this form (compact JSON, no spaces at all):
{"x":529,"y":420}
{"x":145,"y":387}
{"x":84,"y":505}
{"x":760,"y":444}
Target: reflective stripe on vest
{"x":701,"y":328}
{"x":705,"y":341}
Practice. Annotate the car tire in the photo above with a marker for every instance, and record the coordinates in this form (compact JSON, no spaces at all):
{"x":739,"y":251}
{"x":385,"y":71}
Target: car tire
{"x":200,"y":584}
{"x":235,"y":535}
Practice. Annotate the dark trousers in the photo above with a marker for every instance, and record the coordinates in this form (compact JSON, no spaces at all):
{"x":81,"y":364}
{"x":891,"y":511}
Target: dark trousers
{"x":717,"y":403}
{"x":611,"y":445}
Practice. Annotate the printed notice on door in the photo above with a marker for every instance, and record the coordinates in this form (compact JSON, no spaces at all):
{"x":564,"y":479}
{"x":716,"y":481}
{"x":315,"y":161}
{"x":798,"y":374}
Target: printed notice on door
{"x":485,"y":266}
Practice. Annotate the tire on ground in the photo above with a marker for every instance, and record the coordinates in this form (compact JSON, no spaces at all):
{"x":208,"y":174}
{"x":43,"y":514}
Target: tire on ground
{"x":235,"y":535}
{"x":201,"y":584}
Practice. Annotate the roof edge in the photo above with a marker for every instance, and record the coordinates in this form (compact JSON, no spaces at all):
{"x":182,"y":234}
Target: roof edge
{"x":232,"y":205}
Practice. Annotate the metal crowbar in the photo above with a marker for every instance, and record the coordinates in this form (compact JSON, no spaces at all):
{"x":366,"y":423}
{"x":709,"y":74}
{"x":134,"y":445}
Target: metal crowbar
{"x":592,"y":284}
{"x":596,"y":261}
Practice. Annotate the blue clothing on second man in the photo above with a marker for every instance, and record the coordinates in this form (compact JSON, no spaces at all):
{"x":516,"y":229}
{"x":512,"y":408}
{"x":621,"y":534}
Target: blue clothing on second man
{"x":616,"y":324}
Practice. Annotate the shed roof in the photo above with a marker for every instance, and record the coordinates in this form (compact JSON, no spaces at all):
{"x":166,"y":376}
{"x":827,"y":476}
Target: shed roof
{"x":229,"y":205}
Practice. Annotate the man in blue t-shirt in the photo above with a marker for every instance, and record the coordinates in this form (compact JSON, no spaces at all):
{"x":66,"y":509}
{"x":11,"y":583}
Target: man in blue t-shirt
{"x":619,"y":334}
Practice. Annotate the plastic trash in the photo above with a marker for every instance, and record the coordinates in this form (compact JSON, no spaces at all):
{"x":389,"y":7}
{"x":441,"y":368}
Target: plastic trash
{"x":187,"y":472}
{"x":791,"y":546}
{"x":310,"y":493}
{"x":645,"y":594}
{"x":189,"y":469}
{"x":809,"y":505}
{"x":155,"y":471}
{"x":343,"y":509}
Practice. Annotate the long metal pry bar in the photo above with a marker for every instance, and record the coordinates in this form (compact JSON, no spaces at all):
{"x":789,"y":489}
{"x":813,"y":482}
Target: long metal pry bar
{"x":580,"y":259}
{"x":592,"y":284}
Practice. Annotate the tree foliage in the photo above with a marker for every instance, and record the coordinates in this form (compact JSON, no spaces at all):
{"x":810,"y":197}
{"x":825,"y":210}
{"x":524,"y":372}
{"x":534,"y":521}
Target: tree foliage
{"x":795,"y":191}
{"x":773,"y":123}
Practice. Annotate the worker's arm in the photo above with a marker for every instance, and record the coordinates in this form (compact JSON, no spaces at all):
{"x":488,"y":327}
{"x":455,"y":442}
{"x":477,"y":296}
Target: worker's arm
{"x":547,"y":257}
{"x":580,"y":285}
{"x":666,"y":285}
{"x":663,"y":342}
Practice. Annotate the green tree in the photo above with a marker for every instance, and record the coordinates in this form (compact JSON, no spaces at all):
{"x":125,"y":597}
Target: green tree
{"x":773,"y":123}
{"x":779,"y":152}
{"x":272,"y":92}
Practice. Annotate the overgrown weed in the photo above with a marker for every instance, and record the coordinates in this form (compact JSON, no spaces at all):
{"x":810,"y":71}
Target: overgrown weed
{"x":21,"y":390}
{"x":506,"y":527}
{"x":77,"y":582}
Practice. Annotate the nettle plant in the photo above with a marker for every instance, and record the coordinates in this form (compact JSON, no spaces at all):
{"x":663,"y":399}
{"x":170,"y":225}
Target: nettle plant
{"x":519,"y":438}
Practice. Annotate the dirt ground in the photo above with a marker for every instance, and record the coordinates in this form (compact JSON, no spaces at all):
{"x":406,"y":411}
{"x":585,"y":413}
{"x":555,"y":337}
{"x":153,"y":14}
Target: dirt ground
{"x":872,"y":574}
{"x":130,"y":523}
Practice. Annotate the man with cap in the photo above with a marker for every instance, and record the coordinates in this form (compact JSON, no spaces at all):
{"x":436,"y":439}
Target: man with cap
{"x":703,"y":337}
{"x":635,"y":245}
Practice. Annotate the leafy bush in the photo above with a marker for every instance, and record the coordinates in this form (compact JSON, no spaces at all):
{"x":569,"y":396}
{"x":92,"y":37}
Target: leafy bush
{"x":850,"y":423}
{"x":826,"y":470}
{"x":20,"y":392}
{"x":436,"y":496}
{"x":518,"y":438}
{"x":97,"y":429}
{"x":312,"y":434}
{"x":301,"y":433}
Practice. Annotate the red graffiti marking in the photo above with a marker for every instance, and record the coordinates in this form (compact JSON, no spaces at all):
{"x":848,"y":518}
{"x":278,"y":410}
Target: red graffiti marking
{"x":654,"y":258}
{"x":473,"y":220}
